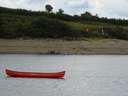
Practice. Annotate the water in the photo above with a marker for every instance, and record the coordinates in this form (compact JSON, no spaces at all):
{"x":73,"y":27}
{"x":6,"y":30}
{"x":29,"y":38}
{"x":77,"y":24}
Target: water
{"x":88,"y":75}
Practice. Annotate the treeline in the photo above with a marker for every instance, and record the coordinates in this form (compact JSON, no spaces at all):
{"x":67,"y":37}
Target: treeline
{"x":18,"y":23}
{"x":84,"y":17}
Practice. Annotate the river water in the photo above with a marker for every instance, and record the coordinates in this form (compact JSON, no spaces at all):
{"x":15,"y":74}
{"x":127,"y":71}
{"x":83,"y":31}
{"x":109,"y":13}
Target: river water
{"x":86,"y":75}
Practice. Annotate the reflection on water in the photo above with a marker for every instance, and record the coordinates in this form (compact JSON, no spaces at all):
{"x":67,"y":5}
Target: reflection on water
{"x":86,"y":75}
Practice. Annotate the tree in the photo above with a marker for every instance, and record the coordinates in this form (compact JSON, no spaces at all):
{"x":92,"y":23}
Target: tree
{"x":87,"y":16}
{"x":60,"y":11}
{"x":48,"y":8}
{"x":1,"y":28}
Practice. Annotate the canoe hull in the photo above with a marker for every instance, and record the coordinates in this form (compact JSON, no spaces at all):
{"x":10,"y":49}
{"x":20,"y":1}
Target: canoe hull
{"x":18,"y":74}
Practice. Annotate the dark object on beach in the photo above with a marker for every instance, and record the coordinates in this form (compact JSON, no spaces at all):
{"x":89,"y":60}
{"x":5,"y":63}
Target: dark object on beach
{"x":18,"y":74}
{"x":52,"y":52}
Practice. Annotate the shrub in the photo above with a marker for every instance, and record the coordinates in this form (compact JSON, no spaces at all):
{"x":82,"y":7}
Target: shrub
{"x":49,"y":28}
{"x":116,"y":32}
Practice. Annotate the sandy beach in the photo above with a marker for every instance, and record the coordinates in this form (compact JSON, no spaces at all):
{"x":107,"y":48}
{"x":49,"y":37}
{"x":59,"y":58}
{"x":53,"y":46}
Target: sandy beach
{"x":51,"y":46}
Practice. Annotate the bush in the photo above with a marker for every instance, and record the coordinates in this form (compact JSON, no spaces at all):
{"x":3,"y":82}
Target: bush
{"x":49,"y":28}
{"x":116,"y":32}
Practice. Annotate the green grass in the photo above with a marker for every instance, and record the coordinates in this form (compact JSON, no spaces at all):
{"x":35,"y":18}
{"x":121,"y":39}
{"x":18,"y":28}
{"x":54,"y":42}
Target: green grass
{"x":82,"y":26}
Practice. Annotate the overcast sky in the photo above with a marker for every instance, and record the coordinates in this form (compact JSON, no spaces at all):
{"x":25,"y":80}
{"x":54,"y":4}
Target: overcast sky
{"x":104,"y":8}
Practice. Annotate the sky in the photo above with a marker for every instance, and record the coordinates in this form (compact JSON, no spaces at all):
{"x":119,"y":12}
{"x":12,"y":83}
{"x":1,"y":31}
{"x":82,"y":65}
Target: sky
{"x":104,"y":8}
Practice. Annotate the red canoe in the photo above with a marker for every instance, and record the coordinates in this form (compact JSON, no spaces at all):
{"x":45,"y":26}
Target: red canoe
{"x":34,"y":74}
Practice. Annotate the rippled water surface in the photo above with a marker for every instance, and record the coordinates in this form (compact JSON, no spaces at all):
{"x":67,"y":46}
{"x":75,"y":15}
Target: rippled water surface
{"x":86,"y":75}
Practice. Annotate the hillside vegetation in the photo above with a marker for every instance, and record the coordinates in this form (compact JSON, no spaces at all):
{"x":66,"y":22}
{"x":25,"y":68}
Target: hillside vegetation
{"x":18,"y":23}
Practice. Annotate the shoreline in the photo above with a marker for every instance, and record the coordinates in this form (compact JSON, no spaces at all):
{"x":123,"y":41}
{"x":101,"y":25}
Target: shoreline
{"x":63,"y":54}
{"x":64,"y":47}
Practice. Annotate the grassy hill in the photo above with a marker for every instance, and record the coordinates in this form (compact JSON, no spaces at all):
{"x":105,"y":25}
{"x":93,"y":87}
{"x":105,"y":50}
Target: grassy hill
{"x":19,"y":23}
